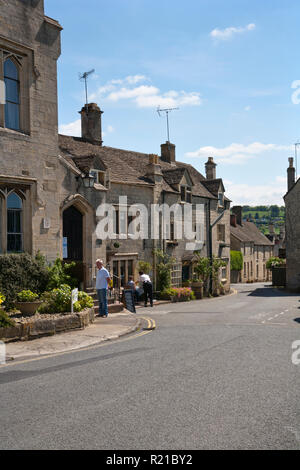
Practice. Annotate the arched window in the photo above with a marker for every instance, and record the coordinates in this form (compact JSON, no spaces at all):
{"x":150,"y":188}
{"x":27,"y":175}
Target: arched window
{"x":14,"y":223}
{"x":12,"y":92}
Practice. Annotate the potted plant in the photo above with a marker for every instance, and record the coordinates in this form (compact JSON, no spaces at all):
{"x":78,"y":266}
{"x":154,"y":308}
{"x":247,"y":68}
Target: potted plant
{"x":27,"y":302}
{"x":197,"y":287}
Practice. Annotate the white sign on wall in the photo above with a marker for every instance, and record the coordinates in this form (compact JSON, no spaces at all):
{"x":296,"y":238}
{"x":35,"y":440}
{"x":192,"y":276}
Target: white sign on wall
{"x":2,"y":92}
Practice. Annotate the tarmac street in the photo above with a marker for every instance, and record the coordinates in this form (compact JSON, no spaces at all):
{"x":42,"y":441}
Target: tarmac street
{"x":214,"y":374}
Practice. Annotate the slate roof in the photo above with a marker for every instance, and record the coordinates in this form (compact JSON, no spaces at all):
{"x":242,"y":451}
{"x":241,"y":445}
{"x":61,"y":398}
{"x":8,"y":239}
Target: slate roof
{"x":129,"y":166}
{"x":248,"y":232}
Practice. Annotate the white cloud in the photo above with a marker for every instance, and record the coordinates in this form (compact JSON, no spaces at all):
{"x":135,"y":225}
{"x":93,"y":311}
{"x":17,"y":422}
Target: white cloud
{"x":247,"y":108}
{"x":143,"y":95}
{"x":237,"y":153}
{"x":228,"y":33}
{"x":73,"y":128}
{"x":267,"y":194}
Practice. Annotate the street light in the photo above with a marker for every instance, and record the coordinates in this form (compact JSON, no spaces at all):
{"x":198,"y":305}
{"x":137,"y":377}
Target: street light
{"x":88,"y":180}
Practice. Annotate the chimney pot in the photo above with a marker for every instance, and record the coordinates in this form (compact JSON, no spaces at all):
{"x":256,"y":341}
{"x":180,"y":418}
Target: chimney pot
{"x":233,"y":220}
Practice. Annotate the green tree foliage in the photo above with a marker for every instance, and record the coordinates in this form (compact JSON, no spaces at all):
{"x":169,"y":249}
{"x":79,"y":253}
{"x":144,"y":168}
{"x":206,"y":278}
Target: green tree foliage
{"x":164,"y":266}
{"x":236,"y":260}
{"x":19,"y":272}
{"x":144,"y":266}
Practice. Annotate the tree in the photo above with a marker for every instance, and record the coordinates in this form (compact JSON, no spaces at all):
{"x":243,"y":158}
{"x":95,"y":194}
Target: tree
{"x":164,"y":266}
{"x":275,"y":211}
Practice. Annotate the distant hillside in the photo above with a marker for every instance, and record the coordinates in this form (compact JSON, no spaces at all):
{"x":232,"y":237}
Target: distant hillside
{"x":262,"y":216}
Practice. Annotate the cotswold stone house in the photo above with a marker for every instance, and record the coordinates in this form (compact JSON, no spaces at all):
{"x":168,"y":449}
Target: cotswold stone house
{"x":292,"y":224}
{"x":51,"y":186}
{"x":255,"y":247}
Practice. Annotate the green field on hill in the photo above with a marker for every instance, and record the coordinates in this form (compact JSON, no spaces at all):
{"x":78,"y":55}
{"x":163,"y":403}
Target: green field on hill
{"x":262,"y":216}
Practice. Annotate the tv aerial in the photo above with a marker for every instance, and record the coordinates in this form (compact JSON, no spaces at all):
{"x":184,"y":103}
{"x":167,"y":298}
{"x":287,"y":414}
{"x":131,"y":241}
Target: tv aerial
{"x":84,"y":77}
{"x":167,"y":111}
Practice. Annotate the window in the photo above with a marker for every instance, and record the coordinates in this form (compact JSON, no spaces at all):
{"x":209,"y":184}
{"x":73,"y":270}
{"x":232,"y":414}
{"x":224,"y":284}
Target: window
{"x":186,"y":194}
{"x":221,"y":199}
{"x":176,"y":275}
{"x":221,"y":232}
{"x":12,"y":95}
{"x":99,"y":176}
{"x":14,"y":223}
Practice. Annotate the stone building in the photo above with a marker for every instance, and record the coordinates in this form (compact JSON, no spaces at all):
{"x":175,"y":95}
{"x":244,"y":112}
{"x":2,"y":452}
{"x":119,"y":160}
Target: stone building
{"x":255,"y":247}
{"x":292,"y":224}
{"x":51,"y":186}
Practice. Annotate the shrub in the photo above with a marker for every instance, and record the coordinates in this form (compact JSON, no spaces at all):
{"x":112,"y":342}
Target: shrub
{"x":164,"y":266}
{"x":59,"y":274}
{"x":236,"y":260}
{"x":5,"y":320}
{"x":274,"y":262}
{"x":144,"y":266}
{"x":27,"y":296}
{"x":182,"y":294}
{"x":59,"y":301}
{"x":22,"y":271}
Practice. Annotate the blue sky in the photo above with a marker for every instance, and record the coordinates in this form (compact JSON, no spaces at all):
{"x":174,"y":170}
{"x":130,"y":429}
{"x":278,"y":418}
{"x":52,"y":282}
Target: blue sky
{"x":228,"y":65}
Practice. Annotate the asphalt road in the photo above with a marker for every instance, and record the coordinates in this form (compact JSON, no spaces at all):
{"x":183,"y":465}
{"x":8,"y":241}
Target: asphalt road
{"x":215,"y":374}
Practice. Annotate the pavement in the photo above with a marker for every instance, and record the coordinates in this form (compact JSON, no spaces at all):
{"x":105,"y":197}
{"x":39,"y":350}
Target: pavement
{"x":103,"y":329}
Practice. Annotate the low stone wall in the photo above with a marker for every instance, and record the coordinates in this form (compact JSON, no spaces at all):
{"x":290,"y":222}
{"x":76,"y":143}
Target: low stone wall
{"x":47,"y":327}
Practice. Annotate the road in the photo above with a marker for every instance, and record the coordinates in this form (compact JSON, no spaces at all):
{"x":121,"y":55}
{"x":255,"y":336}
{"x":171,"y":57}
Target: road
{"x":215,"y":374}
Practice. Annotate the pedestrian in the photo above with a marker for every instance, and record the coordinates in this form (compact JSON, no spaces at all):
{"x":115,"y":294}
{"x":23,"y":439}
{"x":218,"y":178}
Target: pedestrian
{"x":131,"y":285}
{"x":102,"y":281}
{"x":146,"y":283}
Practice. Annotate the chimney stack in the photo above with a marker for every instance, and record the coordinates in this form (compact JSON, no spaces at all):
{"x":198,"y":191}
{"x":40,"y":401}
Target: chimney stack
{"x":154,"y":169}
{"x":91,"y":128}
{"x":233,"y":220}
{"x":237,"y":211}
{"x":210,"y":168}
{"x":168,"y":152}
{"x":291,"y":173}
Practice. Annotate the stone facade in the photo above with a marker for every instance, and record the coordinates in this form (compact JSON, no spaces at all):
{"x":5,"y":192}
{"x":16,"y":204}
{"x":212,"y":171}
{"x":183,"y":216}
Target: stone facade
{"x":254,"y":246}
{"x":292,"y":223}
{"x":47,"y":201}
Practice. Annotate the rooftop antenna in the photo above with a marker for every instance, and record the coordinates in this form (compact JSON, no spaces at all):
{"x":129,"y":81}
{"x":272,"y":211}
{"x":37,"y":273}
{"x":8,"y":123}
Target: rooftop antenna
{"x":84,"y":76}
{"x":167,"y":111}
{"x":296,"y":157}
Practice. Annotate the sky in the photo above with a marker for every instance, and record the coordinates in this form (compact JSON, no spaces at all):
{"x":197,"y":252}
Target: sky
{"x":231,"y":67}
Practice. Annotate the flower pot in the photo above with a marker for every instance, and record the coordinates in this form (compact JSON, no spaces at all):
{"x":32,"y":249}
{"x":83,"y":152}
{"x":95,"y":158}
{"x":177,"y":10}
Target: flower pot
{"x":28,"y":308}
{"x":197,"y":288}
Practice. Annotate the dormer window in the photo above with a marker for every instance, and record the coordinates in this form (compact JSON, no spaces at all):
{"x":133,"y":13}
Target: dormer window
{"x":99,"y":176}
{"x":186,"y":194}
{"x":221,"y":199}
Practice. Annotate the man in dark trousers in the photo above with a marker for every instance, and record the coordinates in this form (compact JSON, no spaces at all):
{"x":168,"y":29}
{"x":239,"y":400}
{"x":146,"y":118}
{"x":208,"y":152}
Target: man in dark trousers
{"x":146,"y":284}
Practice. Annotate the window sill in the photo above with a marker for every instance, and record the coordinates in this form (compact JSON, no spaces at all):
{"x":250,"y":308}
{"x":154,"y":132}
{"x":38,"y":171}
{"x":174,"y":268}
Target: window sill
{"x":5,"y":130}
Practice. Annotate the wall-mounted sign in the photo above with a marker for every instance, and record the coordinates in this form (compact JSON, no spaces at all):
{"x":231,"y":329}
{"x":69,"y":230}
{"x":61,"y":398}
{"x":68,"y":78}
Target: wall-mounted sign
{"x":46,"y":223}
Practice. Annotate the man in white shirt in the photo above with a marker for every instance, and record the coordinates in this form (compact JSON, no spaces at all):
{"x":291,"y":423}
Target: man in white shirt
{"x":146,"y":283}
{"x":102,"y":280}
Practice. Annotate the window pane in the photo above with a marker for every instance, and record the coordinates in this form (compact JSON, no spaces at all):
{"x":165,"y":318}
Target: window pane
{"x":14,"y":242}
{"x":11,"y":91}
{"x":14,"y":201}
{"x":12,"y":120}
{"x":10,"y":70}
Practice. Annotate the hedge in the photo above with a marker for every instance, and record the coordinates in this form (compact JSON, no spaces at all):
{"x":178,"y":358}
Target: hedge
{"x":236,"y":261}
{"x":22,"y":272}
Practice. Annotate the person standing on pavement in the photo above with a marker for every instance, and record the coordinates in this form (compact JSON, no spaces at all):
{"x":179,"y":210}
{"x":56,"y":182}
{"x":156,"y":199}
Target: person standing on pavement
{"x":146,"y":284}
{"x":102,"y":280}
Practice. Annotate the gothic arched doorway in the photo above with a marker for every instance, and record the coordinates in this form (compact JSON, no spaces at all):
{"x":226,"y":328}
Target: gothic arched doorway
{"x":73,"y":234}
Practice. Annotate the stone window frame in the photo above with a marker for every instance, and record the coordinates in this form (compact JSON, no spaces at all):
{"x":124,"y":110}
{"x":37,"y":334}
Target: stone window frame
{"x":23,"y":58}
{"x":23,"y":193}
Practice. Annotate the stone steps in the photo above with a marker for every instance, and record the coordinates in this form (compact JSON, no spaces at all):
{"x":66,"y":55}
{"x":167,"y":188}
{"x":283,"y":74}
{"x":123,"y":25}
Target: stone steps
{"x":113,"y":307}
